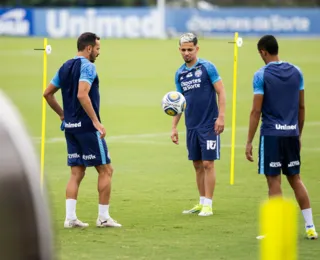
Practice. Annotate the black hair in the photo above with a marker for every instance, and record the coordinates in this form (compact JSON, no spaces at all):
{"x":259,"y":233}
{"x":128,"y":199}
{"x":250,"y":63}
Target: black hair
{"x":86,"y":39}
{"x":268,"y":43}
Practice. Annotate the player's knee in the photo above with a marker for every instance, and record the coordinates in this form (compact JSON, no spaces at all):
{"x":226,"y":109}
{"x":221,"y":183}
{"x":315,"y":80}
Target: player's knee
{"x":208,"y":165}
{"x":198,"y":166}
{"x":77,"y":173}
{"x":105,"y":170}
{"x":294,"y":180}
{"x":110,"y":171}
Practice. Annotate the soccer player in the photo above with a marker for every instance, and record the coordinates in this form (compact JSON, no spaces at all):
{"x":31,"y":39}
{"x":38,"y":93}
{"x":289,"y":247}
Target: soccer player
{"x":198,"y":80}
{"x":79,"y":84}
{"x":279,"y":98}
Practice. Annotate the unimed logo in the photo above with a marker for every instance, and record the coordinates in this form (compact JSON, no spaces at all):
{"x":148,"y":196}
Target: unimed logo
{"x":286,"y":127}
{"x":64,"y":23}
{"x":72,"y":125}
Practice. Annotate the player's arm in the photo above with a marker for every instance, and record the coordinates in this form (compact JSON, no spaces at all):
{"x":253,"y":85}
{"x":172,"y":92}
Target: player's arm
{"x":301,"y":112}
{"x":218,"y":86}
{"x":301,"y":116}
{"x":48,"y":94}
{"x":254,"y":116}
{"x":220,"y":90}
{"x":85,"y":101}
{"x":87,"y":76}
{"x":255,"y":113}
{"x":176,"y":119}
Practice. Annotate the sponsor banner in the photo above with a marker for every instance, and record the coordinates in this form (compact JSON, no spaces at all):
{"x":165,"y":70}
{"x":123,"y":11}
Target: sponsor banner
{"x":246,"y":21}
{"x":107,"y":23}
{"x":16,"y":22}
{"x":148,"y":23}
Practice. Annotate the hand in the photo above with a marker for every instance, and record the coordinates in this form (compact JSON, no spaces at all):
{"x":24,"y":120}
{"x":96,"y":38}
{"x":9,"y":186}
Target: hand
{"x":219,"y":125}
{"x":174,"y":136}
{"x":97,"y":125}
{"x":249,"y":152}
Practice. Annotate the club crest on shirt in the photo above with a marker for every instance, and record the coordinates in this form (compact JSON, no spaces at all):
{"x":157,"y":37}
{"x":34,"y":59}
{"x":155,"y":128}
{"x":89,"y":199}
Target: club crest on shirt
{"x":198,"y":73}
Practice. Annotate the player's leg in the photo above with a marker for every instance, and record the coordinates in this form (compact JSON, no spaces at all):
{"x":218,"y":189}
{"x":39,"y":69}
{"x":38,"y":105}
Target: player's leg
{"x":95,"y":153}
{"x":303,"y":200}
{"x":291,"y":169}
{"x":210,"y":151}
{"x":77,"y":174}
{"x":274,"y":185}
{"x":200,"y":174}
{"x":270,"y":163}
{"x":105,"y":172}
{"x":194,"y":154}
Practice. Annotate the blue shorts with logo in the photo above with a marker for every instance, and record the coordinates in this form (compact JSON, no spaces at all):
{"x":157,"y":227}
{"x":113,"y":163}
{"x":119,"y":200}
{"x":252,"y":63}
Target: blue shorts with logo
{"x":279,"y":153}
{"x":203,"y":144}
{"x":86,"y":149}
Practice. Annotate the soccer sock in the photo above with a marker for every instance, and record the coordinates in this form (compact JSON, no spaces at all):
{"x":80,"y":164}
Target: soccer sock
{"x":307,"y":214}
{"x":104,"y":211}
{"x":201,"y":200}
{"x":71,"y":209}
{"x":207,"y":202}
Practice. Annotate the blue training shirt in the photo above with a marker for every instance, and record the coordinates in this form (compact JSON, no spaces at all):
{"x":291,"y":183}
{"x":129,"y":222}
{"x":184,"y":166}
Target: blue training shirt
{"x":280,"y":84}
{"x":196,"y":84}
{"x":67,"y":79}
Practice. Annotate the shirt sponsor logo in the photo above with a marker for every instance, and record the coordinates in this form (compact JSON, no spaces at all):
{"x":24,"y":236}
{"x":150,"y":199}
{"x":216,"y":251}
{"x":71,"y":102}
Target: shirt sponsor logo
{"x":72,"y":125}
{"x":191,"y":84}
{"x":286,"y":127}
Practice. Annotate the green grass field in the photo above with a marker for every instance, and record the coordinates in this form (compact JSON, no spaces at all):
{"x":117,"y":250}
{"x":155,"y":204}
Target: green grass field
{"x":153,"y":180}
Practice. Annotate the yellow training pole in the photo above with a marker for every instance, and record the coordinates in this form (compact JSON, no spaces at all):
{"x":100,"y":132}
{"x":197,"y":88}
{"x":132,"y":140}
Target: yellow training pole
{"x":234,"y":102}
{"x":43,"y":123}
{"x":278,"y":227}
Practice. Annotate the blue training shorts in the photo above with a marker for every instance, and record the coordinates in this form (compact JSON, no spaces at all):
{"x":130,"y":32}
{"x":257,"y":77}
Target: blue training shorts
{"x":203,"y":144}
{"x":86,"y":149}
{"x":279,"y":153}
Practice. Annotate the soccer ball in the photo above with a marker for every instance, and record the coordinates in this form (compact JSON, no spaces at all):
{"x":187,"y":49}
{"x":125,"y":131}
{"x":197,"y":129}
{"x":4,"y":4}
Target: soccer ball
{"x":173,"y":103}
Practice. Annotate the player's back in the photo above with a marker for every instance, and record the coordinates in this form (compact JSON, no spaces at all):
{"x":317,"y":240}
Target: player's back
{"x":70,"y":73}
{"x":281,"y":84}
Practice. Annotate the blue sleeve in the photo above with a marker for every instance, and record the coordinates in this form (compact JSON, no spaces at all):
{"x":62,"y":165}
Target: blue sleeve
{"x":88,"y":72}
{"x":56,"y":80}
{"x":258,"y":82}
{"x":302,"y":80}
{"x":212,"y":72}
{"x":178,"y":86}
